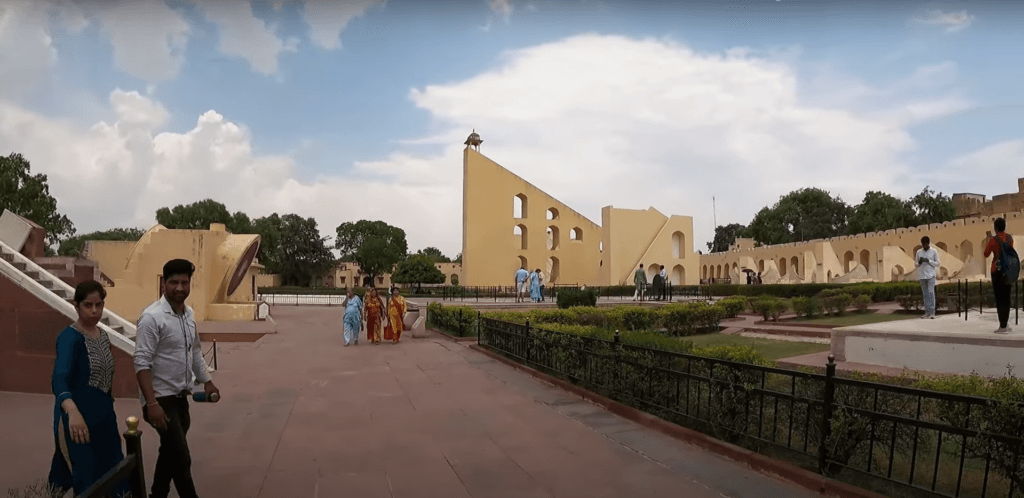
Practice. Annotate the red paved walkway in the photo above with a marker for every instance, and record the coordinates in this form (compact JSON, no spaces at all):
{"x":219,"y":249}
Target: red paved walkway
{"x":303,"y":416}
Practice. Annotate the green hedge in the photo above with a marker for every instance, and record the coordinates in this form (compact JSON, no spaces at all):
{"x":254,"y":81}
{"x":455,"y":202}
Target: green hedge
{"x":679,"y":319}
{"x":567,"y":298}
{"x":456,"y":320}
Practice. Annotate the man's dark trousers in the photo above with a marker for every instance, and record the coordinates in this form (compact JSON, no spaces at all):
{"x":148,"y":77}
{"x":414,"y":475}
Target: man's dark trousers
{"x":174,"y":462}
{"x":1001,"y":290}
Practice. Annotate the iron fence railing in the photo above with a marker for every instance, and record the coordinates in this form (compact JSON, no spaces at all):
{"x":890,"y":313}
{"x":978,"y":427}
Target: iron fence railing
{"x":965,"y":300}
{"x":130,"y":467}
{"x":894,"y":439}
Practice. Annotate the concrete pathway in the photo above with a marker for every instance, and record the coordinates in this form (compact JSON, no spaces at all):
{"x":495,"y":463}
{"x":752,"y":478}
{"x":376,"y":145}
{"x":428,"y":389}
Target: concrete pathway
{"x":304,"y":416}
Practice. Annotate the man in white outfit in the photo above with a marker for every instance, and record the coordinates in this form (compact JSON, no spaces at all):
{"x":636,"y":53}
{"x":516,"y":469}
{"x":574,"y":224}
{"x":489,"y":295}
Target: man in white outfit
{"x":927,"y":260}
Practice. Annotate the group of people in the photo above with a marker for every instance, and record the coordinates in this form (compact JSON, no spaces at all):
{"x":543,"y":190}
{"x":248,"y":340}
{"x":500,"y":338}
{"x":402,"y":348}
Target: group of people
{"x":529,"y":283}
{"x":658,"y":284}
{"x":168,"y":364}
{"x":927,"y":262}
{"x":382,"y":321}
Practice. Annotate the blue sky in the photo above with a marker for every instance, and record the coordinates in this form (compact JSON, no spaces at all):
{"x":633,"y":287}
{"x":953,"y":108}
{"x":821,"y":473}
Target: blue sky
{"x":740,"y":100}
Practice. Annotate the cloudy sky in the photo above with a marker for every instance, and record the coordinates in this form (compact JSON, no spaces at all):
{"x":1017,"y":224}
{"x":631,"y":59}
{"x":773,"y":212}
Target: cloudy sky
{"x":357,"y":109}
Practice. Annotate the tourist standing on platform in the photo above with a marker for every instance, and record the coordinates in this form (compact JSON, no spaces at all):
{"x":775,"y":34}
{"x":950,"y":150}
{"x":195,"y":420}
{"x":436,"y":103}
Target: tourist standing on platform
{"x":540,"y":277}
{"x":927,"y":260}
{"x":374,"y":315}
{"x":640,"y":281}
{"x":84,"y":423}
{"x":396,"y":317}
{"x":521,"y":277}
{"x":1001,"y":288}
{"x":664,"y":283}
{"x":535,"y":286}
{"x":353,"y":318}
{"x":168,"y":363}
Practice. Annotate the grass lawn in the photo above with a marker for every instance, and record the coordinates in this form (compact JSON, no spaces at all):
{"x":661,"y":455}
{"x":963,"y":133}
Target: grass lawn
{"x":851,"y":319}
{"x":769,"y":348}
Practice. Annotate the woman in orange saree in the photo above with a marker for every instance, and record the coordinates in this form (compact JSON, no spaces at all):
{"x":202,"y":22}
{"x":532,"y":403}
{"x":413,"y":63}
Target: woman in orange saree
{"x":373,"y":313}
{"x":396,"y":315}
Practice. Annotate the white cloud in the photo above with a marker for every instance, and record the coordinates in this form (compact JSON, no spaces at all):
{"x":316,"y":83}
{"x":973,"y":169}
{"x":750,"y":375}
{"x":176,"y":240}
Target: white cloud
{"x":502,"y":7}
{"x":149,"y":38}
{"x":658,"y":124}
{"x":327,"y":19}
{"x":953,"y":21}
{"x":243,"y":35}
{"x":992,"y":168}
{"x":26,"y":49}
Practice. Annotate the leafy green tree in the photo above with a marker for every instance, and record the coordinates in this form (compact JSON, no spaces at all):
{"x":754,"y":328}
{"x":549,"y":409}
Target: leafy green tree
{"x":199,"y":215}
{"x":801,"y":215}
{"x":933,"y":207}
{"x":28,"y":195}
{"x":434,"y":254}
{"x":302,"y":252}
{"x":269,"y":230}
{"x":726,"y":235}
{"x":418,"y":269}
{"x":376,"y":246}
{"x":75,"y":245}
{"x":880,"y":211}
{"x":458,"y":259}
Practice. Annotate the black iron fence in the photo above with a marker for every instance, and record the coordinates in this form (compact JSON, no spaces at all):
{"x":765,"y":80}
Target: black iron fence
{"x":130,"y":467}
{"x":896,"y":440}
{"x":970,"y":297}
{"x":210,"y":355}
{"x":622,"y":292}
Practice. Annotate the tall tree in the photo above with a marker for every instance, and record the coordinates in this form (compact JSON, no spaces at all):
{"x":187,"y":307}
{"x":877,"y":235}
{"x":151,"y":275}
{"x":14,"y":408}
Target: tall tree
{"x":302,"y":253}
{"x":434,"y":254}
{"x":933,"y":207}
{"x":458,"y":259}
{"x":75,"y":245}
{"x":418,"y":269}
{"x":376,"y":246}
{"x":29,"y":196}
{"x":801,"y":215}
{"x":880,"y":211}
{"x":726,"y":235}
{"x":199,"y":215}
{"x":269,"y":230}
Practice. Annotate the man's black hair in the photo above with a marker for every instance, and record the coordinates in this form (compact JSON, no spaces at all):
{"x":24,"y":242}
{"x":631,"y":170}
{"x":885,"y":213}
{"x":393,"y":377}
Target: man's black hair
{"x":179,"y":267}
{"x":1000,"y":225}
{"x":926,"y":240}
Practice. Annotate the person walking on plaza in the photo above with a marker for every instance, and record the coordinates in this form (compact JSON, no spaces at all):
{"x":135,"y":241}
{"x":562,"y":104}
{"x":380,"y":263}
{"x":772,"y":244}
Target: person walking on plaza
{"x":927,"y":260}
{"x":374,"y":315}
{"x":84,"y":423}
{"x":521,"y":276}
{"x":396,"y":317}
{"x":353,"y":317}
{"x":168,"y":363}
{"x":640,"y":281}
{"x":1000,"y":287}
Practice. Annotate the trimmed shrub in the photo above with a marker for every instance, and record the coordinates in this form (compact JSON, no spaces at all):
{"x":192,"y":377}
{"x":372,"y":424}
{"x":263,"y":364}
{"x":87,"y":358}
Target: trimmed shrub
{"x":836,"y":304}
{"x":862,"y":302}
{"x":732,"y":306}
{"x":807,"y":307}
{"x":458,"y":320}
{"x":911,"y":302}
{"x":567,"y":298}
{"x":770,"y":307}
{"x":690,"y":318}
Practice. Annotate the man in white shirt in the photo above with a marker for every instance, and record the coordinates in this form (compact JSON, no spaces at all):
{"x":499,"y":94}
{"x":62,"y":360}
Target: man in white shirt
{"x":664,"y":282}
{"x":521,"y":277}
{"x":927,"y":260}
{"x":168,"y":363}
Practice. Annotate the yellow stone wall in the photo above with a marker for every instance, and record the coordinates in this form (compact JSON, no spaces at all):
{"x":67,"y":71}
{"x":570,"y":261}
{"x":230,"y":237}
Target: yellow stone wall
{"x":216,"y":253}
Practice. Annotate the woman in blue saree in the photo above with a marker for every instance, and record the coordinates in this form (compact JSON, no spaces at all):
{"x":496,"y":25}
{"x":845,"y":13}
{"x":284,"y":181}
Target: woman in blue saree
{"x":535,"y":285}
{"x":85,"y":430}
{"x":353,"y":317}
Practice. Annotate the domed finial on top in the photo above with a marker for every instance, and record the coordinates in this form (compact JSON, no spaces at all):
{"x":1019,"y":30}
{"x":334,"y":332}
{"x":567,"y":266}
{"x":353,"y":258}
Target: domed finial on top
{"x":474,"y":140}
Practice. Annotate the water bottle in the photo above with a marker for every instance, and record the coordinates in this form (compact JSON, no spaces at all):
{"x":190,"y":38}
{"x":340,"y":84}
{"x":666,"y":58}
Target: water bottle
{"x":201,"y":397}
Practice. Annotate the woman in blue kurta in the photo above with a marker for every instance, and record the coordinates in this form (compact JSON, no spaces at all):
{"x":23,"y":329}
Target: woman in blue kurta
{"x":535,"y":285}
{"x":353,"y":317}
{"x":84,"y":422}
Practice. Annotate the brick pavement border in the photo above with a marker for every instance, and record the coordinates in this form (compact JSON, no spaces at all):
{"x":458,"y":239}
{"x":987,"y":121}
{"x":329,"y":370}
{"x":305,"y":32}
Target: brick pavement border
{"x":756,"y":461}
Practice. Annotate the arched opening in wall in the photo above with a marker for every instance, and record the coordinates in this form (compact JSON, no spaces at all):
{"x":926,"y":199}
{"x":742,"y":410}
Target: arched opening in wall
{"x":454,"y":279}
{"x":329,"y":281}
{"x":652,"y":270}
{"x":782,"y":267}
{"x":520,"y":233}
{"x":865,"y":259}
{"x":678,"y":275}
{"x":552,"y":214}
{"x":735,"y":268}
{"x":678,"y":245}
{"x":943,"y":273}
{"x":523,"y":263}
{"x":795,"y":263}
{"x":600,"y":246}
{"x":966,"y":249}
{"x":704,"y":272}
{"x":941,"y":245}
{"x":760,"y":266}
{"x":848,"y":261}
{"x":576,"y":234}
{"x":828,"y":277}
{"x":916,"y":248}
{"x":319,"y":282}
{"x":552,"y":237}
{"x":552,"y":270}
{"x":897,"y":273}
{"x":520,"y":206}
{"x":719,"y":272}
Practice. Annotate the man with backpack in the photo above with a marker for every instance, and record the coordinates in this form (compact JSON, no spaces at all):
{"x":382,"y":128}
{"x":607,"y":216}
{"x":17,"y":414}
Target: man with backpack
{"x":1005,"y":270}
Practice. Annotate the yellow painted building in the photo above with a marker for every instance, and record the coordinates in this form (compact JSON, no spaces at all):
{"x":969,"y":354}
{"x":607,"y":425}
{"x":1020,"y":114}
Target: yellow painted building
{"x":223,"y":286}
{"x":508,"y":223}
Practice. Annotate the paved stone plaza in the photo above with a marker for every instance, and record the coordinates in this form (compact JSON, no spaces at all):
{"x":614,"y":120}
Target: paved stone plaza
{"x":303,"y":416}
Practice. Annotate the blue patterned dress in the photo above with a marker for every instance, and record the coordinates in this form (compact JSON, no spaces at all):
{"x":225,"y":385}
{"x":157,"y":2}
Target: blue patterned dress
{"x":84,"y":372}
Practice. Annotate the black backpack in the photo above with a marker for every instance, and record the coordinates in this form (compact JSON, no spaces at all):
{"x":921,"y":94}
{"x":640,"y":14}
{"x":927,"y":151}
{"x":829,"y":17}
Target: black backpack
{"x":1008,"y":262}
